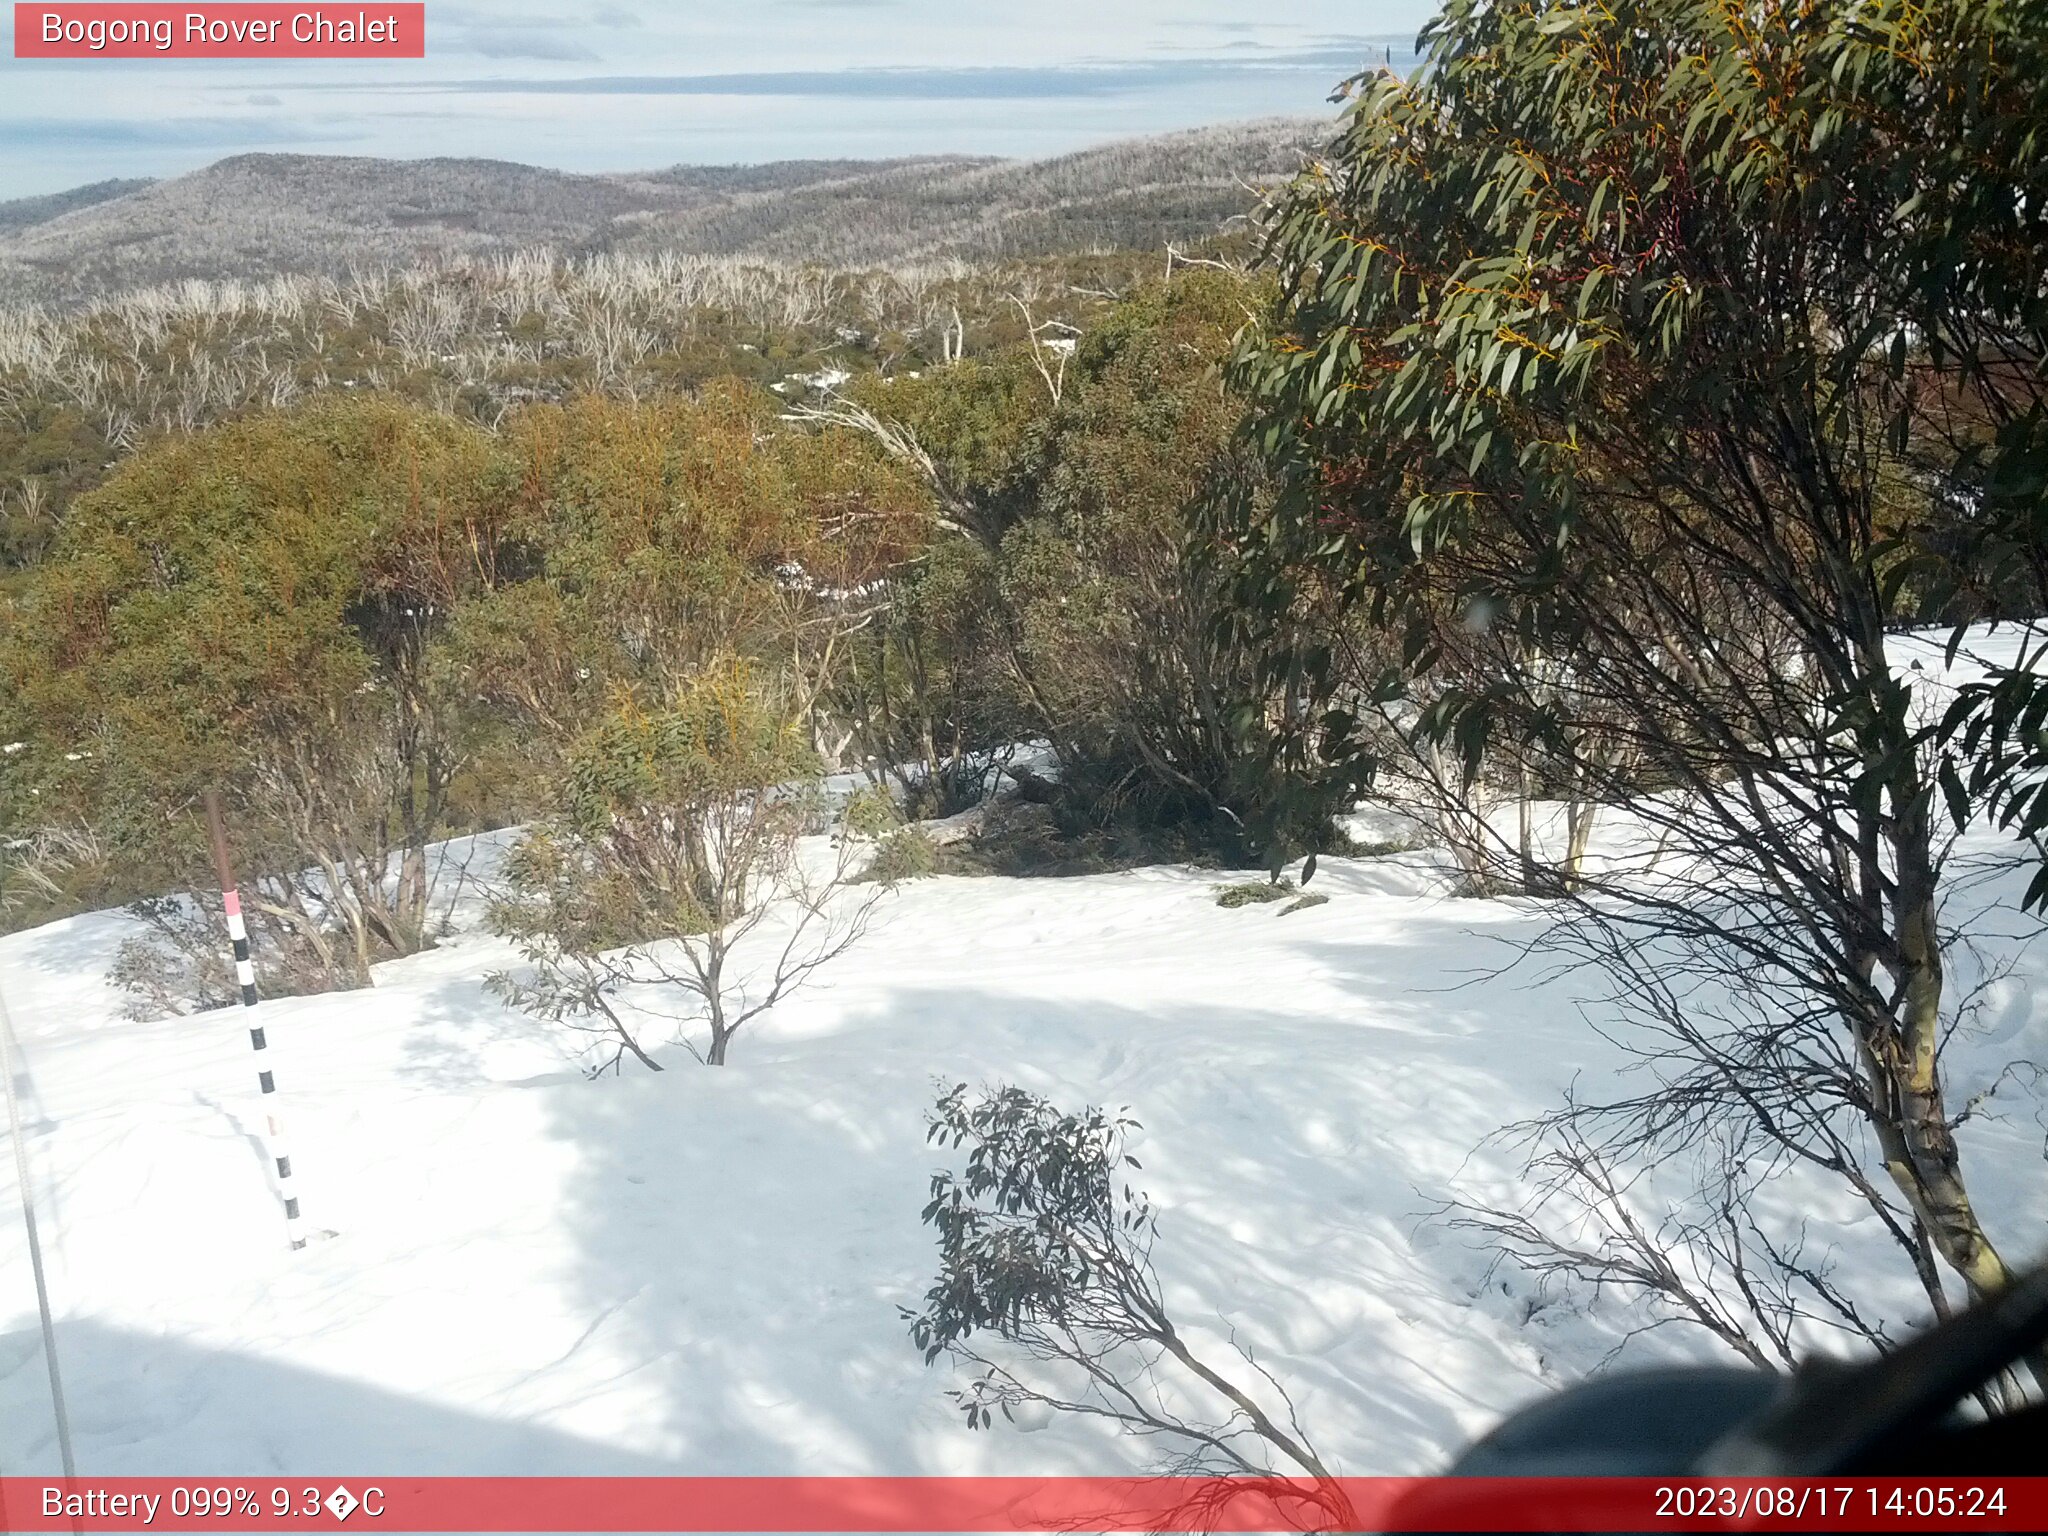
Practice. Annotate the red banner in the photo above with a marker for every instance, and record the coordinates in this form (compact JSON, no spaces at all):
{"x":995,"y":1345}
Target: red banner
{"x":1020,"y":1504}
{"x":265,"y":31}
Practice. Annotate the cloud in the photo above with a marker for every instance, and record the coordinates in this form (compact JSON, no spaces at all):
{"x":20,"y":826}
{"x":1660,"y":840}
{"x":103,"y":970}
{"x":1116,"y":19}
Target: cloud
{"x":518,"y":43}
{"x":503,"y":33}
{"x":943,"y":84}
{"x":533,"y":30}
{"x":441,"y":13}
{"x":70,"y":133}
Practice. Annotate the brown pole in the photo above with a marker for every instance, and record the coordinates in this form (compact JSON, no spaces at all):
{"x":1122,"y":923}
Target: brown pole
{"x":217,"y":830}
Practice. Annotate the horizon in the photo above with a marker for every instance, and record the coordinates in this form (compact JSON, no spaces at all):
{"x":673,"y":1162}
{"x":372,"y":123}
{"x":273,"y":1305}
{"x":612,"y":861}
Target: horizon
{"x":610,"y":88}
{"x":627,"y":172}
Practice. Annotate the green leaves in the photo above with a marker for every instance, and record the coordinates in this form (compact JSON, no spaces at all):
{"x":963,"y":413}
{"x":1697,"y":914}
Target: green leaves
{"x":252,"y":590}
{"x":1998,"y":726}
{"x":719,"y":736}
{"x":1039,"y":1226}
{"x":1619,"y":258}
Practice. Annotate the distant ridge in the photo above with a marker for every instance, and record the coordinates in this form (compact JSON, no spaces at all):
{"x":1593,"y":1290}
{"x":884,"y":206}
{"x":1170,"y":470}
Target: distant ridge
{"x":259,"y":215}
{"x":22,"y":212}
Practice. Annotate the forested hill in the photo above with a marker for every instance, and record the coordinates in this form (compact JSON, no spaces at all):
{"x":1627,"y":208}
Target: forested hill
{"x":257,"y":216}
{"x":27,"y":212}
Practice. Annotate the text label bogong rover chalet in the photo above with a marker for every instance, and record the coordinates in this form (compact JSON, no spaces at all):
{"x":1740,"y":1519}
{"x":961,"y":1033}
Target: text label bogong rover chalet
{"x":241,"y":31}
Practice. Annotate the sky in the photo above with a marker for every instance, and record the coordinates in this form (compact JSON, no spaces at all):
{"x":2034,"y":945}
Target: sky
{"x":612,"y":85}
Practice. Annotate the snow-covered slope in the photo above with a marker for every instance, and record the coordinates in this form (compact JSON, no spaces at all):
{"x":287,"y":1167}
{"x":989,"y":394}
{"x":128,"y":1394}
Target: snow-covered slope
{"x":700,"y":1271}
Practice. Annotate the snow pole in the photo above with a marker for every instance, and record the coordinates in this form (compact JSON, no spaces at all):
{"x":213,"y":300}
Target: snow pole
{"x":245,"y":975}
{"x":19,"y":1135}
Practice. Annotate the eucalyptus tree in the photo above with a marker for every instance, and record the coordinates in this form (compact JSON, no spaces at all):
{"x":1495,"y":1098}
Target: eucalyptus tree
{"x":1662,"y":344}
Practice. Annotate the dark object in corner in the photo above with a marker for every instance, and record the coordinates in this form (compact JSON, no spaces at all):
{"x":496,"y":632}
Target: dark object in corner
{"x":1901,"y":1415}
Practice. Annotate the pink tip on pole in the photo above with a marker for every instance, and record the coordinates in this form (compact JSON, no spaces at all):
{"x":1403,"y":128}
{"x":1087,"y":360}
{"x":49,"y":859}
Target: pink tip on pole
{"x":233,"y":900}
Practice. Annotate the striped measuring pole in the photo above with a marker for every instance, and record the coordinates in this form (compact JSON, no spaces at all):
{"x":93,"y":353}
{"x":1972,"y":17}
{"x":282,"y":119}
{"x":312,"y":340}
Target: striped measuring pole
{"x":245,"y":974}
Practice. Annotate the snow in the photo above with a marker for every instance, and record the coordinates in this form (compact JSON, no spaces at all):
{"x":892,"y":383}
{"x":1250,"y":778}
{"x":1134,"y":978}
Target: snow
{"x":824,"y":381}
{"x":700,"y":1271}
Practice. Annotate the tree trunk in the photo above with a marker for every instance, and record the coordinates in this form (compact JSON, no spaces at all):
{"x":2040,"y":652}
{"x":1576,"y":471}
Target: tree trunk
{"x":714,"y":1001}
{"x":1921,"y":1153}
{"x":1525,"y":827}
{"x":1579,"y":816}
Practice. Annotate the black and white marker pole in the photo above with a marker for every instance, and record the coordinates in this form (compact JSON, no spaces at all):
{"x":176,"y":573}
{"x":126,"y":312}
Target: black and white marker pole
{"x":245,"y":974}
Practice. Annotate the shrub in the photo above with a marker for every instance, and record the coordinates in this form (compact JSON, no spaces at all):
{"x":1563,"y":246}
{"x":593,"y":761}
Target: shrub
{"x":183,"y":963}
{"x":674,"y":838}
{"x":905,"y":854}
{"x":1046,"y":1245}
{"x":1115,"y":597}
{"x":258,"y":608}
